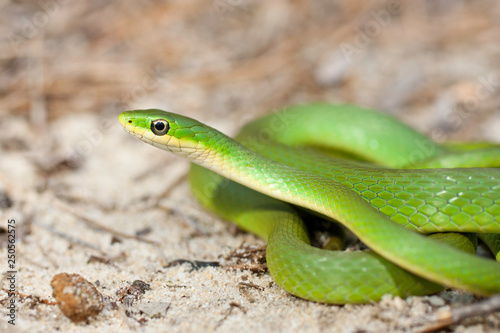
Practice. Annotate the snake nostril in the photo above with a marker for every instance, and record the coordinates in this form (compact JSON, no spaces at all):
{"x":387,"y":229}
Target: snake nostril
{"x":130,"y":121}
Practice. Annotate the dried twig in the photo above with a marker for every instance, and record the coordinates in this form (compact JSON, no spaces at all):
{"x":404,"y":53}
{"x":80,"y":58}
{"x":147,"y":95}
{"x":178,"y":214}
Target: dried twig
{"x":250,"y":285}
{"x":229,"y":311}
{"x":69,"y":238}
{"x":450,"y":317}
{"x":195,"y":264}
{"x":97,"y":225}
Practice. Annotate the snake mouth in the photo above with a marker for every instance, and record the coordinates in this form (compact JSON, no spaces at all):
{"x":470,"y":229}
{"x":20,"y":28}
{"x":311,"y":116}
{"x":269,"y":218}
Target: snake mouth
{"x":123,"y":118}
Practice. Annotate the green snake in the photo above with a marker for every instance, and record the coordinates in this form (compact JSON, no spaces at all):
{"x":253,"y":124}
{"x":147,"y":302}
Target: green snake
{"x":380,"y":179}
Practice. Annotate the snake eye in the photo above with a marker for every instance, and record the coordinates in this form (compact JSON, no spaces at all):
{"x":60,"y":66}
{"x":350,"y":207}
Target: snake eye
{"x":160,"y":127}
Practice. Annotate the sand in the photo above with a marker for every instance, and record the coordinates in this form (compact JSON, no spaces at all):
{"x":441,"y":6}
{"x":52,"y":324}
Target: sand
{"x":88,"y":199}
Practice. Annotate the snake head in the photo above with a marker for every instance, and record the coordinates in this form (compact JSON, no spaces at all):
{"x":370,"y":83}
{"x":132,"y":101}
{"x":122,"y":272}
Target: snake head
{"x":170,"y":131}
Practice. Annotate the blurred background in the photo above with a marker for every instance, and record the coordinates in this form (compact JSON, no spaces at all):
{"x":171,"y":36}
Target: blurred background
{"x":80,"y":188}
{"x":435,"y":63}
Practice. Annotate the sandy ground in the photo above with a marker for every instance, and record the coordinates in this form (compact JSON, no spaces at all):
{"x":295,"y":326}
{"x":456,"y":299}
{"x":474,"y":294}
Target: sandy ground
{"x":89,"y":199}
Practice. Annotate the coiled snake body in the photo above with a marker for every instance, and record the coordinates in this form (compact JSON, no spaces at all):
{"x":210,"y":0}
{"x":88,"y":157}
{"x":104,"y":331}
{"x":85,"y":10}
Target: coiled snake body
{"x":382,"y":184}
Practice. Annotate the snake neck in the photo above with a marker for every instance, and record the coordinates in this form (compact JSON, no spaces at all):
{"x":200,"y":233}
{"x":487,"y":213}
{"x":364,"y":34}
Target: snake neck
{"x":232,"y":160}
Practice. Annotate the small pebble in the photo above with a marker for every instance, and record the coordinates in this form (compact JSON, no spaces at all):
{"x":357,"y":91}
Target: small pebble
{"x":399,"y":303}
{"x":131,"y":294}
{"x":77,"y":298}
{"x":153,"y":309}
{"x":436,"y":301}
